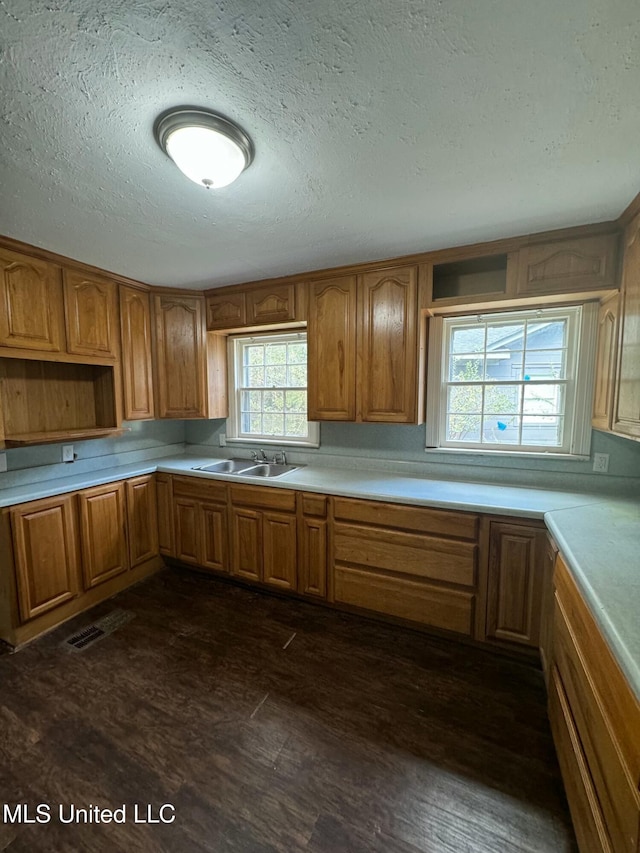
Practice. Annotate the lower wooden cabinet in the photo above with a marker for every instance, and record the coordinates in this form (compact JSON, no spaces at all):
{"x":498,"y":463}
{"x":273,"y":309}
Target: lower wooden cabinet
{"x":45,"y":545}
{"x":246,"y":543}
{"x":102,"y":533}
{"x":142,"y":519}
{"x":280,"y":560}
{"x":164,"y":495}
{"x":199,"y":523}
{"x":516,"y":556}
{"x":313,"y":533}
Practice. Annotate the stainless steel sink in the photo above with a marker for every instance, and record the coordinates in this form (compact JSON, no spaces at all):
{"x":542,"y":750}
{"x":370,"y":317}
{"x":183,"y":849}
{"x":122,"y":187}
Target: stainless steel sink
{"x":227,"y":466}
{"x":268,"y":469}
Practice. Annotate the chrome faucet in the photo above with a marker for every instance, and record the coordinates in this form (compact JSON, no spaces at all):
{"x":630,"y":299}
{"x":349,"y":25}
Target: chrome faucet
{"x":280,"y":458}
{"x":259,"y":456}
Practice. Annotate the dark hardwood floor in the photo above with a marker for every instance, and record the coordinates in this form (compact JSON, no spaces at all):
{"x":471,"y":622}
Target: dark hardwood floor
{"x":352,"y":736}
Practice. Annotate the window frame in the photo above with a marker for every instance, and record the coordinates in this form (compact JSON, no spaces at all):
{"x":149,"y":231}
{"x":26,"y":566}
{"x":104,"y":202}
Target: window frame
{"x":235,"y":367}
{"x":581,"y":351}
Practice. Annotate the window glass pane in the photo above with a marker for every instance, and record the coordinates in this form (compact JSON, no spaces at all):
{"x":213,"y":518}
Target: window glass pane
{"x":463,"y":427}
{"x":545,"y":364}
{"x":466,"y":369}
{"x":273,"y":401}
{"x":296,"y":402}
{"x":542,"y":431}
{"x":468,"y":340}
{"x":543,"y":399}
{"x":253,"y":354}
{"x":464,"y":399}
{"x":297,"y":375}
{"x":545,"y":334}
{"x":276,"y":354}
{"x":275,"y":376}
{"x":251,"y":401}
{"x":501,"y":429}
{"x":504,"y":365}
{"x":273,"y":424}
{"x":502,"y":399}
{"x":254,"y":377}
{"x":295,"y":425}
{"x":505,"y":335}
{"x":297,"y":353}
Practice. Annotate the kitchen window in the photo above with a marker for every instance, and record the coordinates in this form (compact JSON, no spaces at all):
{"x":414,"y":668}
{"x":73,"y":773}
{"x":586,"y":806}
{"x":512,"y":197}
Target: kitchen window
{"x":268,"y":383}
{"x":513,"y":382}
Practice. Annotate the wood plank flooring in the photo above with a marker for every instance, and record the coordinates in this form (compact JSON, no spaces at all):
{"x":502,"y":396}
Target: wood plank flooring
{"x":274,"y":725}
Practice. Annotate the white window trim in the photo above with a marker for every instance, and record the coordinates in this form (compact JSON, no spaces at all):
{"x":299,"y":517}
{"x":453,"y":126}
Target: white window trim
{"x":578,"y":446}
{"x":235,"y":369}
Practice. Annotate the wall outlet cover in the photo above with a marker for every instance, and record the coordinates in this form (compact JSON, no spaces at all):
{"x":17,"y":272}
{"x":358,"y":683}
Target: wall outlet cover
{"x":222,"y":439}
{"x":601,"y":462}
{"x":67,"y":453}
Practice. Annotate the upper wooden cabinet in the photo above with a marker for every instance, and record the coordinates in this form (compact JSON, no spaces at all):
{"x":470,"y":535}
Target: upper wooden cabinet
{"x":331,"y":347}
{"x":91,"y":306}
{"x":31,"y":306}
{"x":266,"y":305}
{"x":45,"y":543}
{"x":137,"y":371}
{"x":606,"y":352}
{"x":568,"y":266}
{"x":190,"y":370}
{"x":364,"y":348}
{"x":627,"y":405}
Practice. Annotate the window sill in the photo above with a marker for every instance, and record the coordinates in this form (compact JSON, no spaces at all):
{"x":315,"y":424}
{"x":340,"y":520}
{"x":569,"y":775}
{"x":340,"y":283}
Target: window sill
{"x":530,"y":454}
{"x":276,"y":442}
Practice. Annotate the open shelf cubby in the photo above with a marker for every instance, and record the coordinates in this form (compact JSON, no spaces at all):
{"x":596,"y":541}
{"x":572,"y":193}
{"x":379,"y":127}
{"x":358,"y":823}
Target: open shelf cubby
{"x":46,"y":401}
{"x":470,"y":278}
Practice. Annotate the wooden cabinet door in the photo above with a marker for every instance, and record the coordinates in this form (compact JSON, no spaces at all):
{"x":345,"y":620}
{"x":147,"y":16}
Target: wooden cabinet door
{"x":187,"y":530}
{"x":271,"y":305}
{"x":45,"y":540}
{"x":165,"y":514}
{"x":279,"y":550}
{"x":142,"y":517}
{"x":568,"y":266}
{"x":181,"y":359}
{"x":312,"y":548}
{"x":627,"y":407}
{"x":102,"y":533}
{"x":226,"y":311}
{"x":388,"y":346}
{"x":91,"y":306}
{"x":246,"y":543}
{"x":606,"y":353}
{"x":31,"y":304}
{"x":515,"y":583}
{"x":137,"y":371}
{"x":213,"y":537}
{"x":331,"y":343}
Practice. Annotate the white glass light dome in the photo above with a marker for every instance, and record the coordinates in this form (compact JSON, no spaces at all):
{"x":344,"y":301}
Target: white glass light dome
{"x":210,"y":150}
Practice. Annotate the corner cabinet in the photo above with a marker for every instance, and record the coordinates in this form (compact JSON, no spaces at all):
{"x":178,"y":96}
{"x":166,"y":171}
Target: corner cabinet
{"x":365,"y":348}
{"x":190,"y":369}
{"x":31,"y":304}
{"x":627,"y":405}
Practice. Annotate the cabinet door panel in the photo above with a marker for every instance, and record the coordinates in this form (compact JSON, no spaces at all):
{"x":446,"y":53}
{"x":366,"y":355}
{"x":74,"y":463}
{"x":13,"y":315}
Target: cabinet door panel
{"x":606,"y":353}
{"x":246,"y":532}
{"x":627,"y":419}
{"x":103,"y":539}
{"x":566,"y":266}
{"x":331,"y":341}
{"x":515,"y":583}
{"x":388,"y":346}
{"x":279,"y":549}
{"x":142,"y":515}
{"x":271,"y":305}
{"x":312,"y":577}
{"x":31,"y":305}
{"x":135,"y":322}
{"x":213,"y":531}
{"x":91,"y":310}
{"x":226,"y":311}
{"x":187,"y":526}
{"x":165,"y":514}
{"x":45,"y":538}
{"x":181,"y":363}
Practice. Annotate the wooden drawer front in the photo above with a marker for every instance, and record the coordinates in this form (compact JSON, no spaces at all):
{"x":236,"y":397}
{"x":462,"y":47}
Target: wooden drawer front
{"x":583,"y":801}
{"x":406,"y":553}
{"x":278,"y":499}
{"x":460,"y":525}
{"x":567,"y":266}
{"x":619,"y":799}
{"x":271,"y":305}
{"x":449,"y":609}
{"x":313,"y":504}
{"x":619,"y":704}
{"x":212,"y":491}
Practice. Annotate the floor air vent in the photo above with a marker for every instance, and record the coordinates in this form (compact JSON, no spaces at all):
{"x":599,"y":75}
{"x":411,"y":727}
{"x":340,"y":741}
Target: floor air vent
{"x":100,"y":629}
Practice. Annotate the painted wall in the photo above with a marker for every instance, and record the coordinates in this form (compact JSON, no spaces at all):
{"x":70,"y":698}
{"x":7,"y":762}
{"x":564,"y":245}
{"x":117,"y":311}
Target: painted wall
{"x":144,"y":440}
{"x":402,"y":448}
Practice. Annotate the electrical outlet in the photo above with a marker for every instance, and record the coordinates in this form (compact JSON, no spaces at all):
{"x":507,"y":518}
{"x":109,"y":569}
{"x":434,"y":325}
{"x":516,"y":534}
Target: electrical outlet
{"x":3,"y":462}
{"x":601,"y":462}
{"x":222,"y":439}
{"x":67,"y":453}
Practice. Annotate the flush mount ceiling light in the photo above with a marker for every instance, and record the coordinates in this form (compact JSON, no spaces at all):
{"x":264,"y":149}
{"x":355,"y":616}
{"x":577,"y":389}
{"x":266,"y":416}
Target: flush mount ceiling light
{"x":209,"y":149}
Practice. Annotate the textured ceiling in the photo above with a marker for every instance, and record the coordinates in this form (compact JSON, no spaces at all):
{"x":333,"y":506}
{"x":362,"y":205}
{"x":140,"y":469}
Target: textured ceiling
{"x":381,"y":127}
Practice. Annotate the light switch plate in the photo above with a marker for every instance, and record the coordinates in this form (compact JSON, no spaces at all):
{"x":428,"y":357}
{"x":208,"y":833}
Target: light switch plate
{"x":3,"y":462}
{"x":67,"y":453}
{"x":601,"y":462}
